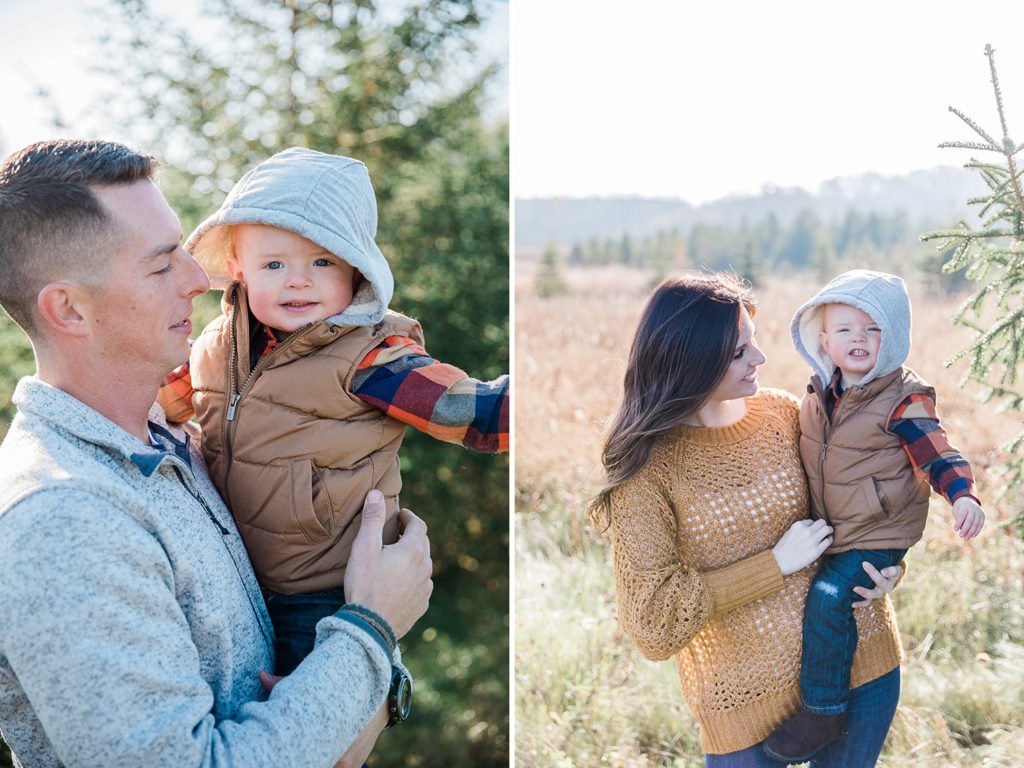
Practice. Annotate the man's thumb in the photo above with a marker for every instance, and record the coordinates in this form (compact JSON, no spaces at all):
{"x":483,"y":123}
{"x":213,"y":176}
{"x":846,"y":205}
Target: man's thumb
{"x":371,"y":528}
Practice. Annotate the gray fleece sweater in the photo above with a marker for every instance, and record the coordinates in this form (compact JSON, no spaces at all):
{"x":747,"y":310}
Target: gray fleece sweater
{"x":132,"y":628}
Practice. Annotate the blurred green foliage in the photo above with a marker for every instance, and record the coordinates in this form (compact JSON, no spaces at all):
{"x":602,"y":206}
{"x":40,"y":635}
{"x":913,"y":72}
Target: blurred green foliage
{"x":401,"y":88}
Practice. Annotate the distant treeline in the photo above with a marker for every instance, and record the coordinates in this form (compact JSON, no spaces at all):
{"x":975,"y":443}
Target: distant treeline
{"x":767,"y":246}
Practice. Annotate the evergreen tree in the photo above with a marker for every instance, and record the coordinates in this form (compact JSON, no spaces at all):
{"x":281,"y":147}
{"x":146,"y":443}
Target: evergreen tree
{"x":824,"y":259}
{"x":678,"y":254}
{"x":797,"y":248}
{"x":750,"y":263}
{"x":626,"y":254}
{"x":550,"y":281}
{"x":576,"y":254}
{"x":993,"y":256}
{"x":767,"y":234}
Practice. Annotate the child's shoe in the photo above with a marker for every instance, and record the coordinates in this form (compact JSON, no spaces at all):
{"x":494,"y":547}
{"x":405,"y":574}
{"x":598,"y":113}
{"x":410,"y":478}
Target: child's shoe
{"x":798,"y":739}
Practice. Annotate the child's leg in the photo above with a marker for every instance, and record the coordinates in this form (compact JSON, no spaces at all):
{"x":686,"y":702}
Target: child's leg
{"x":830,"y":631}
{"x":868,"y":719}
{"x":294,"y":618}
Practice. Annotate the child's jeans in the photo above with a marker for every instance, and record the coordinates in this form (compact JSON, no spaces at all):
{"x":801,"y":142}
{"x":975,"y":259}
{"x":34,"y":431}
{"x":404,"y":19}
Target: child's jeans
{"x":830,"y":632}
{"x":868,"y":718}
{"x":294,"y":618}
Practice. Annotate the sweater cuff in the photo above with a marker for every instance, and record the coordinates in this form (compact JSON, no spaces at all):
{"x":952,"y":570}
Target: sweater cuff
{"x":379,"y":634}
{"x":743,"y":582}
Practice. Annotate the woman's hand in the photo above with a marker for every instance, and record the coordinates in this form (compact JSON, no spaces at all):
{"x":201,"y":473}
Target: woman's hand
{"x":801,"y":545}
{"x":885,"y":580}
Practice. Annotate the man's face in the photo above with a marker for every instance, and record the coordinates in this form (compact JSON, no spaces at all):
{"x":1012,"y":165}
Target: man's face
{"x":290,"y":281}
{"x":851,"y":338}
{"x":139,"y":309}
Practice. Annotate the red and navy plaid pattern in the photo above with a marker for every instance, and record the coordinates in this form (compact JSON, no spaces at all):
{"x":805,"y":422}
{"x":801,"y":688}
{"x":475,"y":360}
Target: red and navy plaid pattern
{"x":403,"y":381}
{"x":176,"y":395}
{"x":406,"y":383}
{"x":916,"y":423}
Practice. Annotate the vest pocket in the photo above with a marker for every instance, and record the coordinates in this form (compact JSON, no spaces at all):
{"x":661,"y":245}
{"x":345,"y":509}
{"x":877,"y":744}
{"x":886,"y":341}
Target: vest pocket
{"x":876,"y":504}
{"x":311,"y":501}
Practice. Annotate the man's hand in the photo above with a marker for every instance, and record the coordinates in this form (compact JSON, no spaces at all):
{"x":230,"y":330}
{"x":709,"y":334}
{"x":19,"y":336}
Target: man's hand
{"x":968,"y":517}
{"x":393,"y":580}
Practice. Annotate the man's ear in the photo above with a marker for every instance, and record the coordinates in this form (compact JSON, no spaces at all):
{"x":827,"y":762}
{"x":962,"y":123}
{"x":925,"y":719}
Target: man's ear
{"x":235,"y":269}
{"x":63,"y":307}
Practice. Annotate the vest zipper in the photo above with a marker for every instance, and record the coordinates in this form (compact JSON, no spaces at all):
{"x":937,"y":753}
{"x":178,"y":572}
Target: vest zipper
{"x":230,"y":420}
{"x":829,"y":423}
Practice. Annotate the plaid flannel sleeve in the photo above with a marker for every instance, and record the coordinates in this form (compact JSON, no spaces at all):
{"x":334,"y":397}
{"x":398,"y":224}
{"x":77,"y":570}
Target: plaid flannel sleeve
{"x":916,"y":423}
{"x":176,"y":395}
{"x":403,"y":381}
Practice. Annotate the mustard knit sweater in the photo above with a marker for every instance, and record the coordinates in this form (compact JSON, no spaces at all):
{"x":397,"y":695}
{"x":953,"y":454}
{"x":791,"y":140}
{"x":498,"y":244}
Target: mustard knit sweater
{"x":692,"y":534}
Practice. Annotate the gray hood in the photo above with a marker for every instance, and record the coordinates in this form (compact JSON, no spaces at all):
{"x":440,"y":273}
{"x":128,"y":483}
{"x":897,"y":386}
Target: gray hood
{"x":880,"y":295}
{"x":327,"y":199}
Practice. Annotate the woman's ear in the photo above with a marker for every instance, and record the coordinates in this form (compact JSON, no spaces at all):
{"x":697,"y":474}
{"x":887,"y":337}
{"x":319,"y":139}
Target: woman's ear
{"x":63,"y":307}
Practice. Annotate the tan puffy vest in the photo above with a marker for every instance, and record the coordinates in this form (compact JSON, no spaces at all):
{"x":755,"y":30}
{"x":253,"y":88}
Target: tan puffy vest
{"x":299,"y":452}
{"x":858,"y":474}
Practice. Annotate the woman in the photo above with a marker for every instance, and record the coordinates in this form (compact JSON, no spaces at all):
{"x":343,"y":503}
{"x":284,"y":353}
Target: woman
{"x":706,"y":502}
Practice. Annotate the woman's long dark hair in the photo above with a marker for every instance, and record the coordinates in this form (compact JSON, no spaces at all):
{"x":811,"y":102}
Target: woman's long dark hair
{"x":683,"y":346}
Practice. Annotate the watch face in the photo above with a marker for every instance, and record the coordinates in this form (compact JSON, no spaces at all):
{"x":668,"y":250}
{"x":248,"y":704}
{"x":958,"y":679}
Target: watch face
{"x":403,"y":697}
{"x":399,"y":697}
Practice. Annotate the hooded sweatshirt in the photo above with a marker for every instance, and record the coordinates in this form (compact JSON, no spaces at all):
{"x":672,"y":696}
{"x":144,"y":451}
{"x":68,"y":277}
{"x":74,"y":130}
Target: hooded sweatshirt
{"x":859,"y":475}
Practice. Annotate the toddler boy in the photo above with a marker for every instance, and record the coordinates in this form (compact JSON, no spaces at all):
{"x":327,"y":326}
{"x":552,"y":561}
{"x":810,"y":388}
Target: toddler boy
{"x":304,"y":385}
{"x":871,"y":445}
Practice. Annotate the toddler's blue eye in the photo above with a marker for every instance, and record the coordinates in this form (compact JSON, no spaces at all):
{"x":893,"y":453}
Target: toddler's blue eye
{"x":274,"y":265}
{"x":323,"y":263}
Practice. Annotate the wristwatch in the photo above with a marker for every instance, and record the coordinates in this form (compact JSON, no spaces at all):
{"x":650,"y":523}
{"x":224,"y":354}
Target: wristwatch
{"x":400,"y":696}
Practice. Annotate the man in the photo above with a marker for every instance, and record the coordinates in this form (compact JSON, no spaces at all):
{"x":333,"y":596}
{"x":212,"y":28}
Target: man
{"x":132,"y":629}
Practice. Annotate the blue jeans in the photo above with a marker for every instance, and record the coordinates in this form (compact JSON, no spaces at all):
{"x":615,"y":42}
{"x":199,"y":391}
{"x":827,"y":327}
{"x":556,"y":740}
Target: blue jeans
{"x":294,"y":618}
{"x":868,"y":716}
{"x":830,"y":631}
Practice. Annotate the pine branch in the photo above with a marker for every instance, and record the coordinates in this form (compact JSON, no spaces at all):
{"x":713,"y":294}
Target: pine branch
{"x":990,"y":52}
{"x":970,"y":145}
{"x":977,"y":128}
{"x":1008,"y":147}
{"x":996,"y":169}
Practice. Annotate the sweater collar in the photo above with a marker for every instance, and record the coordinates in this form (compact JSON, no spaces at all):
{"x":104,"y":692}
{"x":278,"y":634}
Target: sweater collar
{"x":66,"y":413}
{"x":731,"y":433}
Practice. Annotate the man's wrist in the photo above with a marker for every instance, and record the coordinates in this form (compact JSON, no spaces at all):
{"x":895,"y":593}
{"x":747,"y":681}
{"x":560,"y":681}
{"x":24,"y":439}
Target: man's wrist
{"x":373,"y":624}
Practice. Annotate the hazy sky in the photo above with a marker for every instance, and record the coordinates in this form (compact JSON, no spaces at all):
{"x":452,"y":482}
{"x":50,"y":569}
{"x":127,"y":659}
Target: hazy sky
{"x":52,"y":43}
{"x":701,"y":99}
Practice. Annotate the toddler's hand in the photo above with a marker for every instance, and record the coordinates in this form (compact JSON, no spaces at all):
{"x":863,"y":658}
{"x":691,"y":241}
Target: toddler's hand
{"x":968,"y":517}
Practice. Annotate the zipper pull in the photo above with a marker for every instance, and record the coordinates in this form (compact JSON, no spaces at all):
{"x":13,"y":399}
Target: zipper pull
{"x":223,"y":531}
{"x":232,"y":405}
{"x":198,"y":497}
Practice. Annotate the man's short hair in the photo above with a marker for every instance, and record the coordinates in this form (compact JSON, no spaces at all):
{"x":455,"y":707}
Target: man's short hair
{"x":51,"y":223}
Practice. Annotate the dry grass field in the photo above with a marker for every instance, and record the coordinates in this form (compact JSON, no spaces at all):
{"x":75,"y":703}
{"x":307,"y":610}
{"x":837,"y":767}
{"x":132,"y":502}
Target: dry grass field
{"x":586,"y":697}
